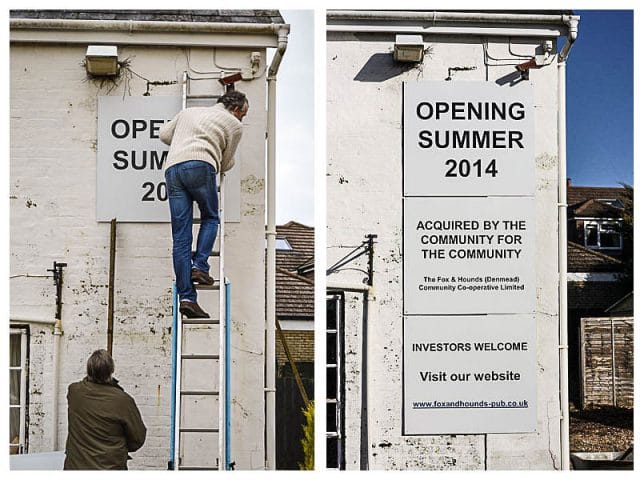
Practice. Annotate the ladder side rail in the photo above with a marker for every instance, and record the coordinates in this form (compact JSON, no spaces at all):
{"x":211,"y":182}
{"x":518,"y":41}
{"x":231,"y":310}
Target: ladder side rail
{"x":185,"y":88}
{"x":174,"y":366}
{"x":227,"y":376}
{"x":222,"y":331}
{"x":178,"y":382}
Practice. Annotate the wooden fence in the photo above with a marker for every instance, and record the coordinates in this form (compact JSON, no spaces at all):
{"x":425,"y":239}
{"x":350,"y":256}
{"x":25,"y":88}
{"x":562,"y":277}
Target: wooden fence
{"x":606,"y":358}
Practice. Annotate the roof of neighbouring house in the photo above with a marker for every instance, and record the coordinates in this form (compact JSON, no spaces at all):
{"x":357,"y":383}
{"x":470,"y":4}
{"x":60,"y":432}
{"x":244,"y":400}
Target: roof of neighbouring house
{"x":594,"y":296}
{"x":582,"y":259}
{"x":577,"y":195}
{"x":294,"y":292}
{"x":624,"y":305}
{"x":210,"y":16}
{"x":301,"y":239}
{"x":594,"y":208}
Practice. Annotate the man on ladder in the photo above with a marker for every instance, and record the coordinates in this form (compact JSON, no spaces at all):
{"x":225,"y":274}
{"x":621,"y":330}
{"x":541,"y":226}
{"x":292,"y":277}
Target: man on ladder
{"x":203,"y":141}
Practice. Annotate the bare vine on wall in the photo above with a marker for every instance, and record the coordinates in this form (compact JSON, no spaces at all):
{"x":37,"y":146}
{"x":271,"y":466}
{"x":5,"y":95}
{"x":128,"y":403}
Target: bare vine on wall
{"x":124,"y":77}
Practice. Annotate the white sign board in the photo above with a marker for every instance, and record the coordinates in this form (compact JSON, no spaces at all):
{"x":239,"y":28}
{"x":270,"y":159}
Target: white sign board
{"x":468,"y":138}
{"x":130,"y":159}
{"x":469,"y":256}
{"x":469,"y":374}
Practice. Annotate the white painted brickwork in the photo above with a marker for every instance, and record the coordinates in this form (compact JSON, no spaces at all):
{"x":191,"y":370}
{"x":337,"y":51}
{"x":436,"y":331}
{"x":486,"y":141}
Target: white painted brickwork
{"x":53,"y":205}
{"x":364,"y":191}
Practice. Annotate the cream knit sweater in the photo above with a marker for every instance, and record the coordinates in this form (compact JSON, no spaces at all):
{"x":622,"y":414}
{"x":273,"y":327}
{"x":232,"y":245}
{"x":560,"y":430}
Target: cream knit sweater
{"x":210,"y":134}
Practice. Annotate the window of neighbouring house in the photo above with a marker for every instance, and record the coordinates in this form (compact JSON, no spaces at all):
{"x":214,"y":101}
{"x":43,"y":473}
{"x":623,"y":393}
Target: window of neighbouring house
{"x":17,"y":390}
{"x":605,"y":235}
{"x":283,"y":244}
{"x":613,"y":202}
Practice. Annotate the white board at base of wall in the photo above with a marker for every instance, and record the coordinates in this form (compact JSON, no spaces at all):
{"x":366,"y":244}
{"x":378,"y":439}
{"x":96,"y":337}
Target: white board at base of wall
{"x":469,"y":374}
{"x":130,"y":179}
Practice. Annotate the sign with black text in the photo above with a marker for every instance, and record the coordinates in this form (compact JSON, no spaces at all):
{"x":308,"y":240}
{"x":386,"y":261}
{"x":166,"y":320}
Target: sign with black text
{"x":468,"y":138}
{"x":469,"y":374}
{"x":130,"y":160}
{"x":469,"y":256}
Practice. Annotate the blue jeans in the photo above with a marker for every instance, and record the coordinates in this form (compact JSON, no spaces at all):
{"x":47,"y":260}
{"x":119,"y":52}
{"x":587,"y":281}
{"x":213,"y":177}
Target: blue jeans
{"x":187,"y":182}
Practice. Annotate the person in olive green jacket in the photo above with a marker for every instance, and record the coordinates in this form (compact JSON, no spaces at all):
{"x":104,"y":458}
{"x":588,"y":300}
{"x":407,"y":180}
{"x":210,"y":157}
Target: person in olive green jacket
{"x":104,"y":421}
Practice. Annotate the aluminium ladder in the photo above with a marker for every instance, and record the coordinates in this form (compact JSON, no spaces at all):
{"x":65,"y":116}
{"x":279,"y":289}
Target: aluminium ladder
{"x":200,"y":406}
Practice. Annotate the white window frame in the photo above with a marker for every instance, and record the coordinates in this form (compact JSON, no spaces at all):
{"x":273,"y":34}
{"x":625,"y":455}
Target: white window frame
{"x":24,"y":337}
{"x":599,"y":224}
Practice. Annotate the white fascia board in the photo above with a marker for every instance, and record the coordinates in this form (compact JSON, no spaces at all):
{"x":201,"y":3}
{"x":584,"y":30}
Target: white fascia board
{"x":299,"y":325}
{"x":597,"y":219}
{"x":591,"y":277}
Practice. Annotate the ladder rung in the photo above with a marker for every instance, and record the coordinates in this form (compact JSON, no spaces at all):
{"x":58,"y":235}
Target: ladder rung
{"x":332,"y":331}
{"x":212,"y":467}
{"x":199,"y":430}
{"x":199,"y":392}
{"x":187,"y":356}
{"x":199,"y":286}
{"x":212,"y":254}
{"x":197,"y":221}
{"x":199,"y":321}
{"x":331,"y":400}
{"x":201,"y":95}
{"x":332,"y":435}
{"x":331,"y":365}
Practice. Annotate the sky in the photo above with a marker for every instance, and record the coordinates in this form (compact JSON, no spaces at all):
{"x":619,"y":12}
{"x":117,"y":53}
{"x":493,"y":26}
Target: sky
{"x":295,"y":122}
{"x":600,"y":100}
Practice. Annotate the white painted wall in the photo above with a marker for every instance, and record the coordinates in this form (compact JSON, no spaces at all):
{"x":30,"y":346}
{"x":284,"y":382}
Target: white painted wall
{"x":53,"y":194}
{"x":364,"y":195}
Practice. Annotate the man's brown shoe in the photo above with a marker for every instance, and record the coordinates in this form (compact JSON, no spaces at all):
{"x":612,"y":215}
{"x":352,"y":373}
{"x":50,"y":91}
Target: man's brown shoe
{"x":192,"y":310}
{"x":198,"y":276}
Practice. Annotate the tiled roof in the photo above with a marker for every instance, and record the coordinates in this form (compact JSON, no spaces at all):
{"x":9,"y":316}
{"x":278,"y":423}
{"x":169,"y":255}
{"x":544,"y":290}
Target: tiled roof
{"x":294,"y":293}
{"x":300,"y":237}
{"x":582,"y":194}
{"x":211,"y":16}
{"x":294,"y":296}
{"x":622,"y":306}
{"x":582,"y":259}
{"x":594,"y":295}
{"x":594,"y":208}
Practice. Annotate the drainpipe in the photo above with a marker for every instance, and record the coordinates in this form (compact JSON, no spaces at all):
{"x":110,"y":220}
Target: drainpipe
{"x":57,"y":334}
{"x":270,"y":346}
{"x":563,"y":340}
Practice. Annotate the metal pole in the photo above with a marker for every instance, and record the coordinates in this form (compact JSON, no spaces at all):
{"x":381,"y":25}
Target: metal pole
{"x":364,"y":415}
{"x":112,"y":271}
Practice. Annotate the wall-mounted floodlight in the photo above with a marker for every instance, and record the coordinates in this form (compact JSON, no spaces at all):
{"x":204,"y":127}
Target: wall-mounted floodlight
{"x":102,"y":60}
{"x":408,"y":48}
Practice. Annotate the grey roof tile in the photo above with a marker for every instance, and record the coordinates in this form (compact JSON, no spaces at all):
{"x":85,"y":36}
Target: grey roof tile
{"x":225,"y":16}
